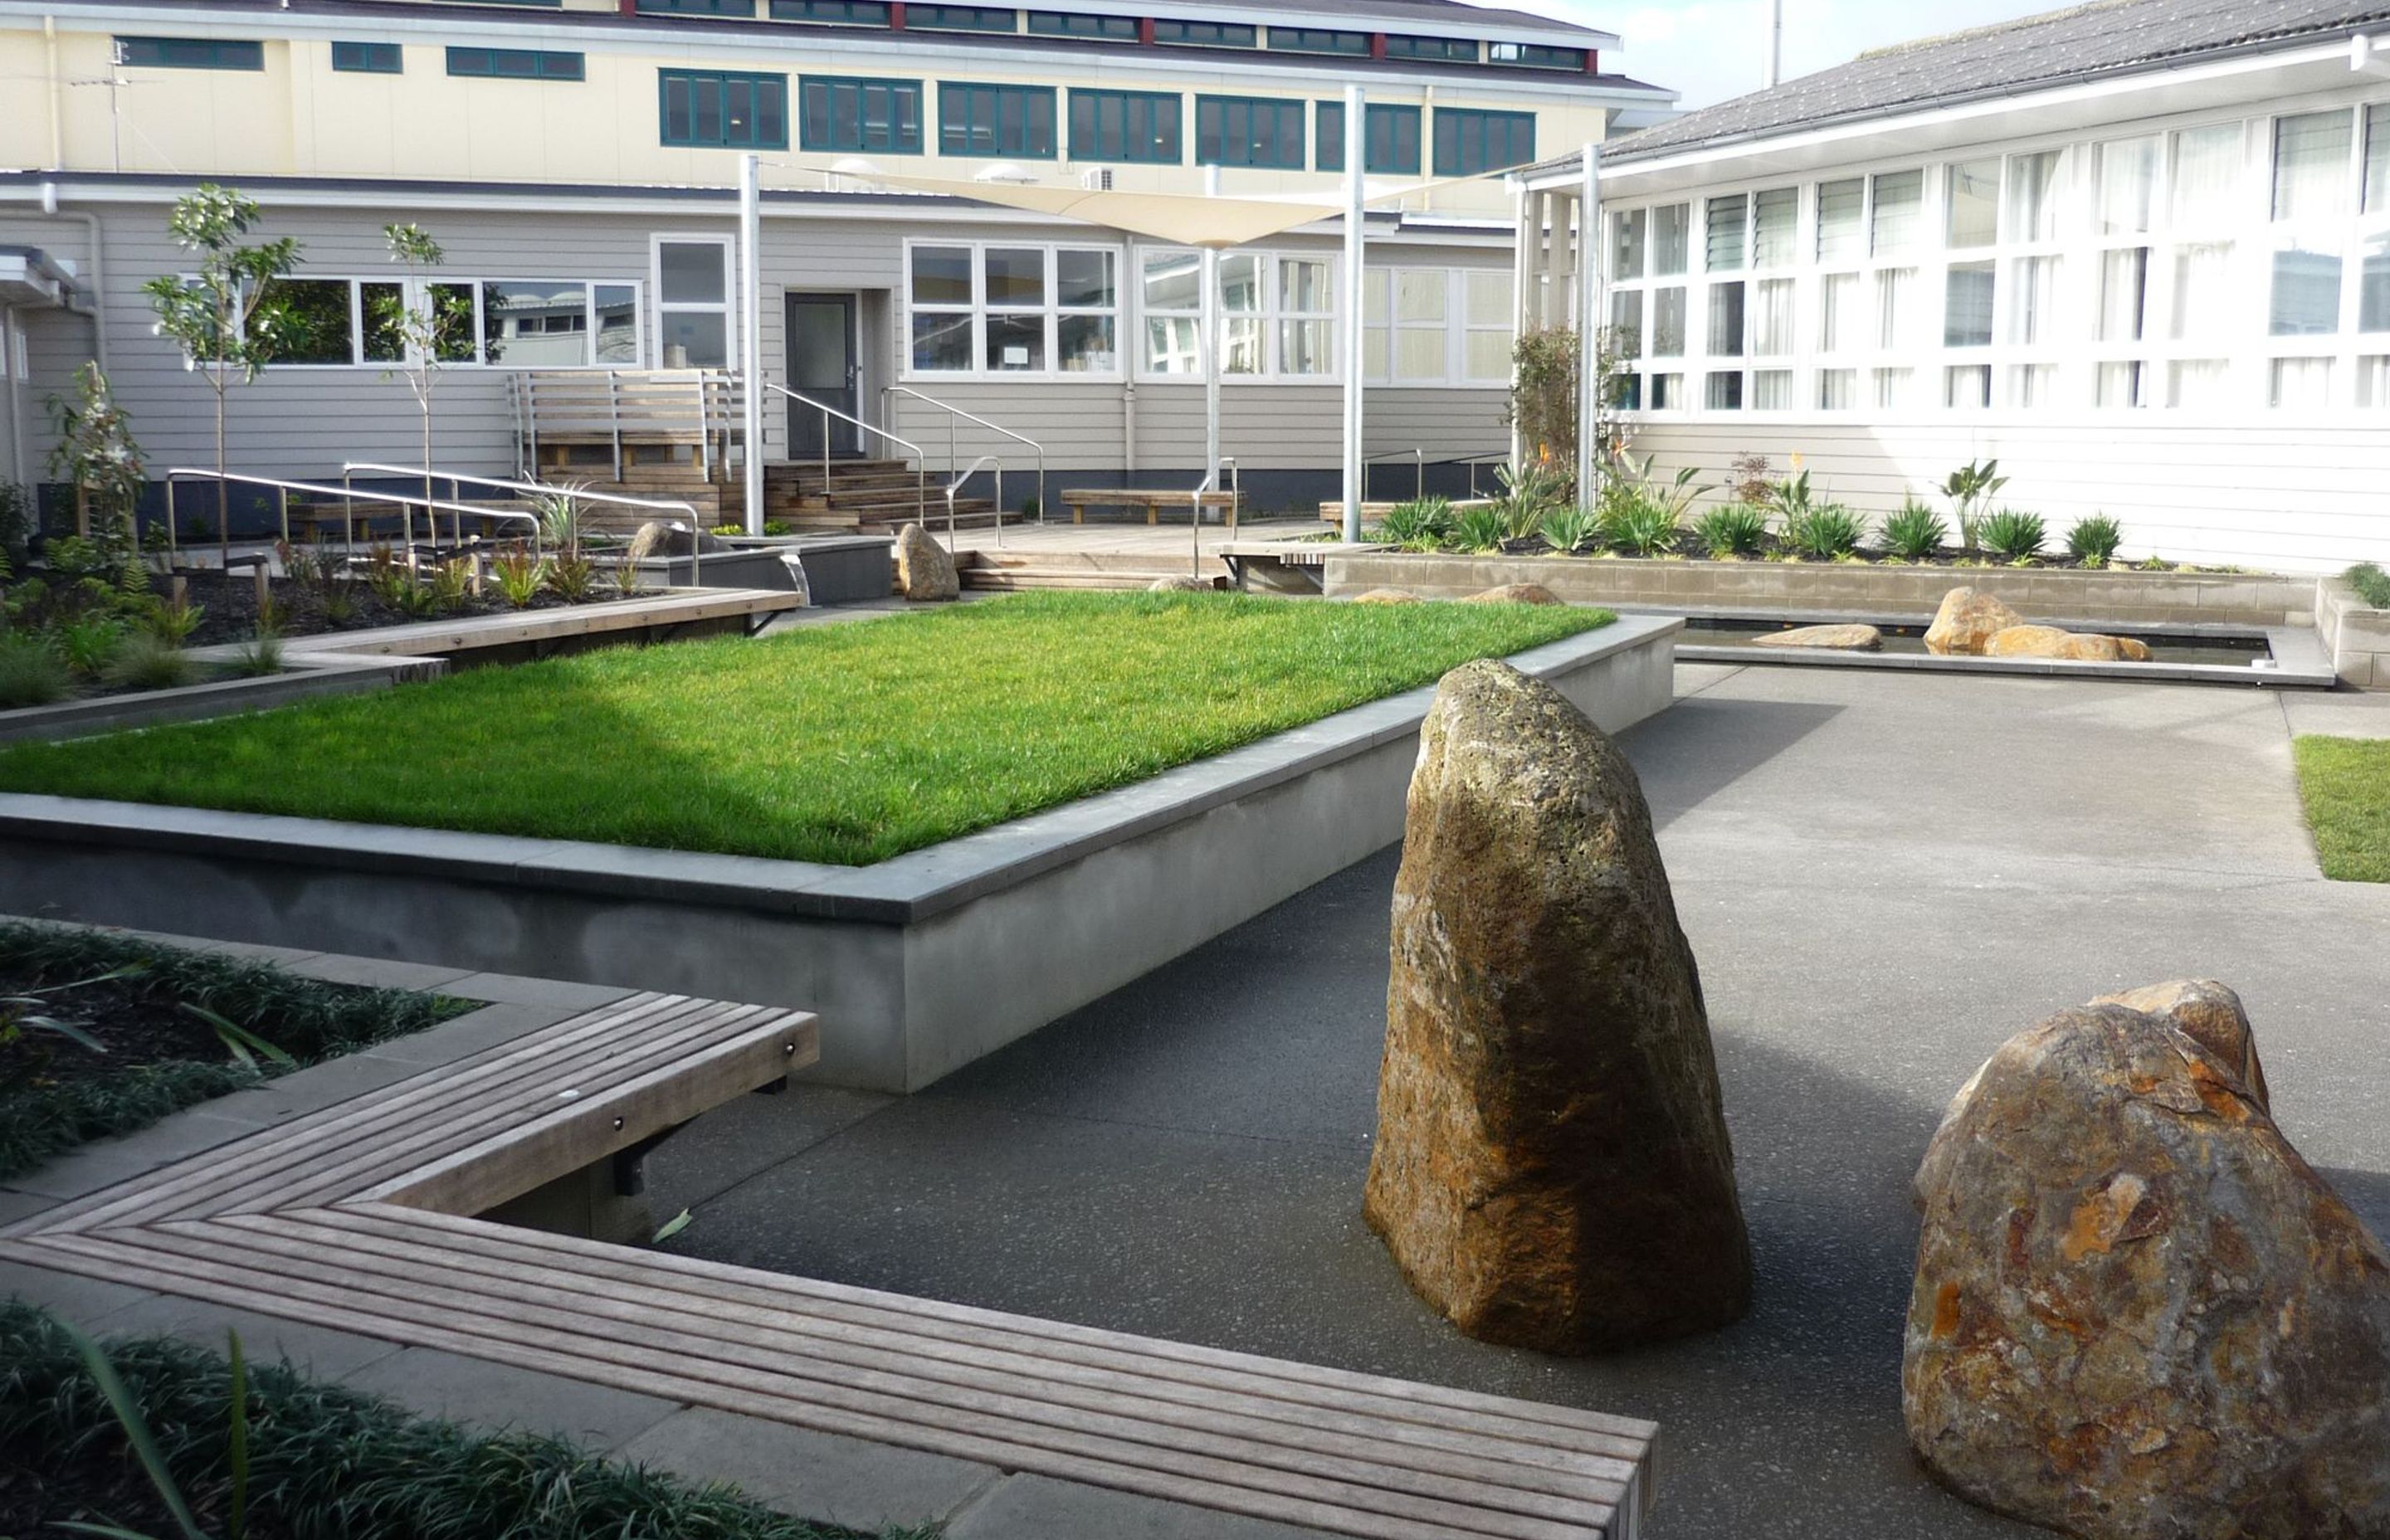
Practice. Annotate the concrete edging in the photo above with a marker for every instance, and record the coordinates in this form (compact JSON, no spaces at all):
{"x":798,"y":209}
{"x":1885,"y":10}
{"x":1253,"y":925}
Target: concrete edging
{"x":2355,"y":636}
{"x":305,"y":676}
{"x":2057,"y":596}
{"x":916,"y":966}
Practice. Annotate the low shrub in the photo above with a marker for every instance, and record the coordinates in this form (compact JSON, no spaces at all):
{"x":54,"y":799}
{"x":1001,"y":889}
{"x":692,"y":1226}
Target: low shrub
{"x":572,"y":578}
{"x":1915,"y":532}
{"x":2093,"y":541}
{"x":144,"y":663}
{"x":2012,"y":534}
{"x":1824,"y":532}
{"x":1570,"y":530}
{"x":1640,"y":526}
{"x":1737,"y":529}
{"x":519,"y":574}
{"x":322,"y":1461}
{"x":2371,"y":583}
{"x":1482,"y":528}
{"x":261,"y":656}
{"x":172,"y":623}
{"x":89,"y":643}
{"x":32,"y":673}
{"x":1422,"y":524}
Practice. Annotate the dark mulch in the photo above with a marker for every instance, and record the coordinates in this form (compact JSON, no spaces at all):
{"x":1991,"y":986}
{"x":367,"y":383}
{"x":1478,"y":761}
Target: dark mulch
{"x":228,"y":606}
{"x":133,"y":1017}
{"x":97,"y":1491}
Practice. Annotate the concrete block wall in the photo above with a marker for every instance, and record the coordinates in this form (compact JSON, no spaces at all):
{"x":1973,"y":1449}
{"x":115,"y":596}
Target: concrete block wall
{"x":2355,"y":635}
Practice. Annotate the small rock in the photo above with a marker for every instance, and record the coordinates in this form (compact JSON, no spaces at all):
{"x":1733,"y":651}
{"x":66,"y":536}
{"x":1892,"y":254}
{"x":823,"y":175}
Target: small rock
{"x":1516,"y":593}
{"x":656,"y":537}
{"x":1848,"y":639}
{"x":1184,"y":583}
{"x":2048,"y":641}
{"x":924,"y":571}
{"x":2138,"y":1314}
{"x":1388,"y":595}
{"x":1551,"y":1168}
{"x":1966,"y":620}
{"x":2132,"y":651}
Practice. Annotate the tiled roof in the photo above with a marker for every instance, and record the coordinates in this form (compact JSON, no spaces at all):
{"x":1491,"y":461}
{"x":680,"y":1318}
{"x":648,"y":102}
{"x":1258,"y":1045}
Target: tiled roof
{"x":2105,"y":37}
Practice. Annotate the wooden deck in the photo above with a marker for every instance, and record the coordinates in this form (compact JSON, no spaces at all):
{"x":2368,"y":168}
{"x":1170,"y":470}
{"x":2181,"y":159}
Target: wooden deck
{"x":354,"y":1218}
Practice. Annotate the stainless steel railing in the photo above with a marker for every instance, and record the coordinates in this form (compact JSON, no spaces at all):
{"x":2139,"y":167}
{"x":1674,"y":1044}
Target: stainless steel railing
{"x":1210,"y":482}
{"x":920,"y":475}
{"x":955,"y":415}
{"x":957,"y":485}
{"x":538,"y":489}
{"x":225,"y":479}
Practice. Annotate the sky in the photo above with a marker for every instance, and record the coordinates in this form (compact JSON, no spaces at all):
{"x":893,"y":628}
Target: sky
{"x":1713,"y":49}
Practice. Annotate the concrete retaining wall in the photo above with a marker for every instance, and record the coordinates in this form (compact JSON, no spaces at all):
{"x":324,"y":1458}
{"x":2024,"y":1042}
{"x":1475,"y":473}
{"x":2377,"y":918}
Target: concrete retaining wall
{"x":916,"y":966}
{"x":2355,"y":635}
{"x":2056,"y":596}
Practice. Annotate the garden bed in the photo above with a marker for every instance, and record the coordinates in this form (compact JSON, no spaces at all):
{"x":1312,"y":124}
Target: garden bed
{"x":129,"y":1049}
{"x":228,"y":606}
{"x":322,"y":1460}
{"x":842,"y":744}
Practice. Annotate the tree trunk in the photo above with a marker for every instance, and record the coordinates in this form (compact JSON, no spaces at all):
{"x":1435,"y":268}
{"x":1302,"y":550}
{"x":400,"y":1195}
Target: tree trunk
{"x":223,"y":488}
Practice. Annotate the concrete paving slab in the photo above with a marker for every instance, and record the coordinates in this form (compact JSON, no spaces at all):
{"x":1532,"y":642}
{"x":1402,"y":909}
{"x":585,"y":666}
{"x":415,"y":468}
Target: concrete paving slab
{"x":104,"y":1165}
{"x":15,"y":1205}
{"x":379,"y":972}
{"x":493,"y":1396}
{"x":1884,"y":877}
{"x":1038,"y":1508}
{"x":561,"y":994}
{"x":71,"y":1296}
{"x":2339,"y":713}
{"x":819,"y":1476}
{"x":318,"y":1351}
{"x":461,"y":1036}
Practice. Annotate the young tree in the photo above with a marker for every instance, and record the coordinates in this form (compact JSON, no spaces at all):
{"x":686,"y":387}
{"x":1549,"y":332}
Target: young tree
{"x":95,"y":455}
{"x":225,"y":316}
{"x":428,"y":323}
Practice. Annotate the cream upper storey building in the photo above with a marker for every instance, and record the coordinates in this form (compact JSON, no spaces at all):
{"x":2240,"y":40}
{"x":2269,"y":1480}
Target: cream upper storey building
{"x":575,"y":159}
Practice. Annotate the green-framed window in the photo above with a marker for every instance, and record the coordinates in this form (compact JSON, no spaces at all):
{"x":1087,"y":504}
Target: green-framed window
{"x":368,"y":58}
{"x":190,"y":53}
{"x":1318,"y":40}
{"x":1248,"y":131}
{"x":875,"y":116}
{"x":1534,"y":56}
{"x":840,"y":13}
{"x":517,"y":64}
{"x":1470,"y":141}
{"x":1116,"y":29}
{"x":1138,"y":127}
{"x":1393,"y":139}
{"x":721,"y":109}
{"x":698,"y":7}
{"x":1205,"y":34}
{"x":962,"y":18}
{"x":1448,"y":50}
{"x":995,"y":120}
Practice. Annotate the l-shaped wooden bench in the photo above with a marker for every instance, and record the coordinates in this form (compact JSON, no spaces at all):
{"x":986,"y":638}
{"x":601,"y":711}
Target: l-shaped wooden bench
{"x":357,"y":1217}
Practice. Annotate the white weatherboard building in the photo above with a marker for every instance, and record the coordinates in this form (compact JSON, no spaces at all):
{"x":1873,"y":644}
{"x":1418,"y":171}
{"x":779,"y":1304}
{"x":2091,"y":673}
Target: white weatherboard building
{"x":2137,"y":250}
{"x":578,"y":159}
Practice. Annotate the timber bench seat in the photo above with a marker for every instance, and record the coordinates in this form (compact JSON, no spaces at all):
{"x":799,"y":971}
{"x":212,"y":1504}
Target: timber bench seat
{"x":358,"y":1217}
{"x":1155,"y":501}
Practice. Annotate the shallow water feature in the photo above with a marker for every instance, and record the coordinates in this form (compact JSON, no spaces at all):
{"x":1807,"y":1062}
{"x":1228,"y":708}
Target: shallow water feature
{"x":2224,"y":651}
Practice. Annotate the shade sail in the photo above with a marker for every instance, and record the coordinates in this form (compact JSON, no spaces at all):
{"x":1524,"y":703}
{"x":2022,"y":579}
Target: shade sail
{"x":1184,"y":218}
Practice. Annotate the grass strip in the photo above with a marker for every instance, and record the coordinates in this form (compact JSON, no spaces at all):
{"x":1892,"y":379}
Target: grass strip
{"x":2344,"y":785}
{"x":308,"y":1018}
{"x":327,"y":1463}
{"x":845,"y":744}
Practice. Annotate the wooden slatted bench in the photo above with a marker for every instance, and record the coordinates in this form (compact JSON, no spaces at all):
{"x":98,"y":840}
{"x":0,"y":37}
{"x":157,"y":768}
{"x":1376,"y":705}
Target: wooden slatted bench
{"x":637,"y":415}
{"x":1155,"y":501}
{"x":356,"y":1218}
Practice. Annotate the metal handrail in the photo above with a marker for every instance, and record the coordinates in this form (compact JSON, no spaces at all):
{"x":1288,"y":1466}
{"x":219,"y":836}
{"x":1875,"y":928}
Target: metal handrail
{"x":920,"y":474}
{"x":523,"y":385}
{"x":539,"y":489}
{"x":955,"y":411}
{"x":1210,"y":482}
{"x":955,"y":485}
{"x":429,"y":505}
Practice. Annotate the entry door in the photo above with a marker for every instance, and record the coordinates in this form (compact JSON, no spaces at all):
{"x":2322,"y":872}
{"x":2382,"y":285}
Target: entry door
{"x":823,"y":364}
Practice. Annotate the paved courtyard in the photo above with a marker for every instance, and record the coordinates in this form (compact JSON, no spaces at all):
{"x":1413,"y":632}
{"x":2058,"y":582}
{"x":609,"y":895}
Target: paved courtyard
{"x":1882,"y":875}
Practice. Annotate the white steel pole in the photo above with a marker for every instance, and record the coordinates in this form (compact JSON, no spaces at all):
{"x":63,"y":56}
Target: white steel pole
{"x":751,"y":332}
{"x":1210,"y":279}
{"x":1357,"y":154}
{"x":1588,"y":320}
{"x":1775,"y":66}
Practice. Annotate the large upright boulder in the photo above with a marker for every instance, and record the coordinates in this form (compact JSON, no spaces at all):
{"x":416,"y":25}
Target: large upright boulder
{"x":924,"y":571}
{"x":1967,"y":622}
{"x":1551,"y":1167}
{"x":2139,"y":1314}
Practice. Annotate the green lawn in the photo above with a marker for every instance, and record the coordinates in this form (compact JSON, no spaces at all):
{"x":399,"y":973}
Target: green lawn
{"x":843,"y":744}
{"x":2345,"y":784}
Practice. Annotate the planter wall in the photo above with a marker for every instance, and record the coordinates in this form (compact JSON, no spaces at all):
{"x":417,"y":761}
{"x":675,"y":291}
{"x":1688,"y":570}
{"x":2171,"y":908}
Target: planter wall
{"x":917,"y":965}
{"x":2355,"y":635}
{"x":2057,"y":596}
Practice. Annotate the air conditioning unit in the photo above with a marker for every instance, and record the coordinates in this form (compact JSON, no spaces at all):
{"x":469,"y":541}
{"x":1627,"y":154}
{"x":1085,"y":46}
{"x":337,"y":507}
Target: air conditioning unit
{"x":1097,"y":180}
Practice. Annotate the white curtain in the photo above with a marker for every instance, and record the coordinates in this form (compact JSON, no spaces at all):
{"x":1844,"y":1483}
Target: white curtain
{"x":1771,"y":391}
{"x":2198,"y":382}
{"x":2033,"y":196}
{"x":2302,"y":384}
{"x":2206,"y":175}
{"x":2311,"y":164}
{"x":2205,"y":296}
{"x":2373,"y":382}
{"x":1771,"y":321}
{"x":2120,"y":384}
{"x":1837,"y":390}
{"x":2124,"y":293}
{"x":2034,"y":305}
{"x":2128,"y":176}
{"x":1896,"y":306}
{"x":1838,"y":313}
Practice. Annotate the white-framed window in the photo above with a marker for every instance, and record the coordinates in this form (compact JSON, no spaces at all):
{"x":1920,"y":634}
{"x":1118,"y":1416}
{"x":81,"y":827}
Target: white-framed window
{"x":1278,"y":313}
{"x":1438,"y":326}
{"x":694,"y":294}
{"x":355,"y":322}
{"x":1650,"y":259}
{"x":1006,"y":309}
